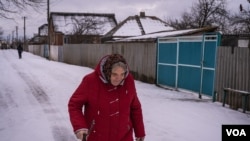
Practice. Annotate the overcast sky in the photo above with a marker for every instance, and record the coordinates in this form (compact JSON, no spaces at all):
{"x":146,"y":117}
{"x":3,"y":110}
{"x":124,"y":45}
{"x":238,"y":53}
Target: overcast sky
{"x":121,"y":8}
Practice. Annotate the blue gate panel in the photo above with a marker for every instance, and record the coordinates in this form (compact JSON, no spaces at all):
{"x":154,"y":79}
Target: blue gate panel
{"x":209,"y":54}
{"x":166,"y":75}
{"x":188,"y":62}
{"x":189,"y":78}
{"x":190,"y":53}
{"x":208,"y":82}
{"x":167,"y":53}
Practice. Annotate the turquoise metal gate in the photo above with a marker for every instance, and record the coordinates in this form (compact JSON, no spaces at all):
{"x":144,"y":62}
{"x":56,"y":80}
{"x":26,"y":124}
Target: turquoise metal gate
{"x":188,"y":63}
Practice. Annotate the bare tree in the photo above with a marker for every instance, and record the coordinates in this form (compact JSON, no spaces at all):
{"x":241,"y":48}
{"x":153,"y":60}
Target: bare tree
{"x":203,"y":13}
{"x":13,"y":6}
{"x":241,"y":20}
{"x":87,"y":26}
{"x":184,"y":23}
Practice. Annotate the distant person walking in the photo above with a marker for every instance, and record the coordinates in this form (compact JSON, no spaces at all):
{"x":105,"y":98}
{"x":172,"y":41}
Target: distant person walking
{"x":20,"y":50}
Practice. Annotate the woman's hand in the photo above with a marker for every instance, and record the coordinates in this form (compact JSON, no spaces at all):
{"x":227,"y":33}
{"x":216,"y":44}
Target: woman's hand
{"x":139,"y":139}
{"x":82,"y":135}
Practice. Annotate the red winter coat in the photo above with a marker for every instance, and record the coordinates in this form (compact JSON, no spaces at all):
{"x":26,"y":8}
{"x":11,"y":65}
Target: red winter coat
{"x":110,"y":113}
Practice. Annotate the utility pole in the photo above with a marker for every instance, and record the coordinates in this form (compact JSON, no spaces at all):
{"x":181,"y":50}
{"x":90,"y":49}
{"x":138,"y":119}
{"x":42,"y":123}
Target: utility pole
{"x":13,"y":38}
{"x":16,"y":34}
{"x":48,"y":29}
{"x":8,"y":39}
{"x":24,"y":30}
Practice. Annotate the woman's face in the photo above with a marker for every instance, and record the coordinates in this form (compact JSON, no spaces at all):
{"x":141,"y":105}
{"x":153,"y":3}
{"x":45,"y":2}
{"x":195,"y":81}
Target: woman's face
{"x":117,"y":75}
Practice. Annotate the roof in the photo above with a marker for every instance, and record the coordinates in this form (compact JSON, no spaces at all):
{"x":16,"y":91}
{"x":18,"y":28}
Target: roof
{"x":66,"y":22}
{"x":138,"y":25}
{"x":43,"y":30}
{"x":173,"y":33}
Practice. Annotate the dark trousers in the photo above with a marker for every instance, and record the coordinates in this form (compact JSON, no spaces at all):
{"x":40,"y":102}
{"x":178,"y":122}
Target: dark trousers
{"x":20,"y":54}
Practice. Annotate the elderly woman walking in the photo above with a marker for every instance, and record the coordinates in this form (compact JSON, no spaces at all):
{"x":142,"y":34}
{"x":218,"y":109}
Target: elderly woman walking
{"x":105,"y":106}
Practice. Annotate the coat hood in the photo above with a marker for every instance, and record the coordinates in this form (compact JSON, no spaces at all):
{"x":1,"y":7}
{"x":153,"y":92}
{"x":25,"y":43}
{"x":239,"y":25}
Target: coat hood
{"x":104,"y":67}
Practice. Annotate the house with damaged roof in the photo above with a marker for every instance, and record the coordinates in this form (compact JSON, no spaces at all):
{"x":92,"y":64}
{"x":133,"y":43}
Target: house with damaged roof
{"x":79,"y":28}
{"x":173,"y":33}
{"x":142,"y":28}
{"x":137,"y":25}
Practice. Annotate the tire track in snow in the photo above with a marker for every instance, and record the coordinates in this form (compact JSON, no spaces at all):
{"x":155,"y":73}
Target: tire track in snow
{"x":59,"y":131}
{"x":7,"y":102}
{"x":36,"y":90}
{"x":6,"y":99}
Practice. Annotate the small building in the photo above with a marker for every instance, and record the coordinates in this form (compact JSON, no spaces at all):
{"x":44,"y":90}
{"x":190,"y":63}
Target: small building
{"x":137,"y":26}
{"x":236,"y":40}
{"x":41,"y":37}
{"x":43,"y":30}
{"x":3,"y":44}
{"x":78,"y":28}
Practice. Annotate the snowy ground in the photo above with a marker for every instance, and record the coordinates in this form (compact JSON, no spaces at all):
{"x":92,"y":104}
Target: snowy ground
{"x":34,"y":94}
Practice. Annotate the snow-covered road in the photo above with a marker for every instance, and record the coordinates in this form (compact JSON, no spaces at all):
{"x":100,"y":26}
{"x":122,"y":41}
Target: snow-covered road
{"x":27,"y":103}
{"x":34,"y":94}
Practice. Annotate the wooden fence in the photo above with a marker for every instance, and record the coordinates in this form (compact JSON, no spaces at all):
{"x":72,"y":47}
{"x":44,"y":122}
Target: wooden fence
{"x":232,"y":70}
{"x":141,"y":57}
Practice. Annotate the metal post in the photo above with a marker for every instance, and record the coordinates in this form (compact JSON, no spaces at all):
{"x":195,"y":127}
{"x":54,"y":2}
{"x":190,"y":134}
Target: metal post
{"x":245,"y":101}
{"x":224,"y":97}
{"x":48,"y":16}
{"x":24,"y":30}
